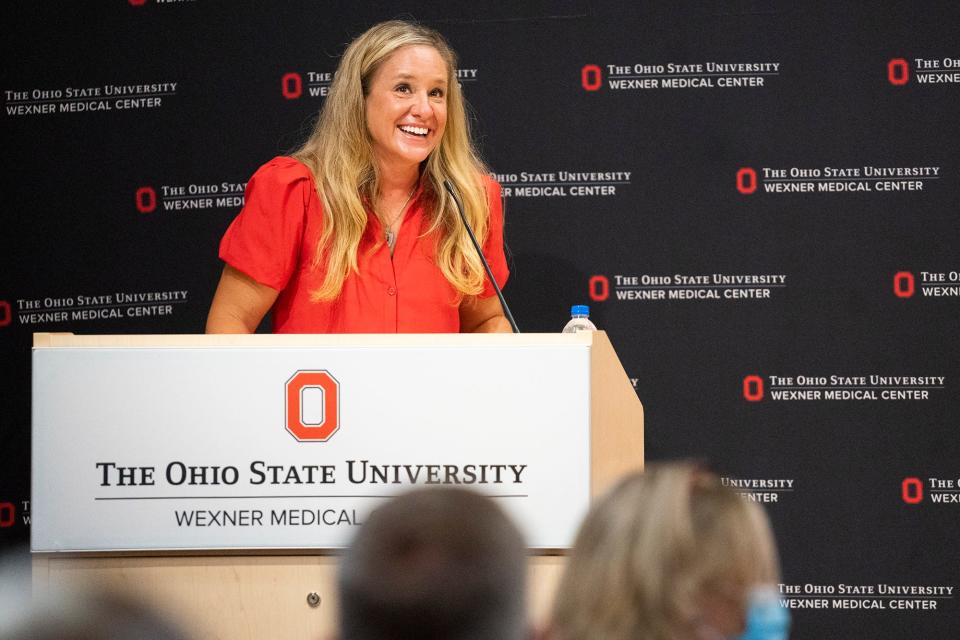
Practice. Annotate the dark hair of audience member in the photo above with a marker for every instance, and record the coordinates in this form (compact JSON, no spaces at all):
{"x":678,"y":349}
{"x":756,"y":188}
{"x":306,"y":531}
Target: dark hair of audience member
{"x":89,"y":614}
{"x":435,"y":563}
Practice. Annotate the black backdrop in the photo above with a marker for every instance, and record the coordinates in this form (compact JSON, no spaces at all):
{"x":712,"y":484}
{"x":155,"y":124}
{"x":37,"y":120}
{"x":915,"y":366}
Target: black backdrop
{"x":807,"y":177}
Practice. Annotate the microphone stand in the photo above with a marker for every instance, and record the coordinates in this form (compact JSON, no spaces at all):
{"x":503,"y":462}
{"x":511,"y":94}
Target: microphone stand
{"x":486,"y":266}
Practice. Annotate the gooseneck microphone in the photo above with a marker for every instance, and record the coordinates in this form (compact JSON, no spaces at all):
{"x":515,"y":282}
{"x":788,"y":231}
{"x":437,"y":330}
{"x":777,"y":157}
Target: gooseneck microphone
{"x":483,"y":259}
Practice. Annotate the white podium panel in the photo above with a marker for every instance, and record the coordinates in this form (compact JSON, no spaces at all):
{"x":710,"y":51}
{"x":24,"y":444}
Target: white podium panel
{"x":220,"y":447}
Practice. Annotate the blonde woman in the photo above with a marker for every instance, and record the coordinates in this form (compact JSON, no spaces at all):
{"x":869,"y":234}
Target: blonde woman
{"x":671,"y":554}
{"x":355,"y":232}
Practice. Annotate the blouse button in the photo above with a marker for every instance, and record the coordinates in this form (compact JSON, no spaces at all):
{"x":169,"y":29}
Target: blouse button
{"x":391,"y":291}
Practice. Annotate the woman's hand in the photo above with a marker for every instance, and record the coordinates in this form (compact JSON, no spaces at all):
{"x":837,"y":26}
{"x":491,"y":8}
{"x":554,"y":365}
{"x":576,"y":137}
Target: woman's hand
{"x":483,"y":316}
{"x":240,"y":303}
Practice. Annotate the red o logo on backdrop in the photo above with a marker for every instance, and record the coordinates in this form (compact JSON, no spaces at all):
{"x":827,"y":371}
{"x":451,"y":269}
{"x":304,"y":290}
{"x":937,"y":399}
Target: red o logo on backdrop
{"x":753,"y":388}
{"x":146,"y":199}
{"x":291,"y":84}
{"x":904,"y":285}
{"x":8,"y":514}
{"x":591,"y":77}
{"x":599,"y":288}
{"x":911,"y":490}
{"x":746,"y":180}
{"x":312,"y":406}
{"x":898,"y":72}
{"x":6,"y":314}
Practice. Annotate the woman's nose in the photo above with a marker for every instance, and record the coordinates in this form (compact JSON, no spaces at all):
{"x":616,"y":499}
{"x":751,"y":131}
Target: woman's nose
{"x":421,"y":105}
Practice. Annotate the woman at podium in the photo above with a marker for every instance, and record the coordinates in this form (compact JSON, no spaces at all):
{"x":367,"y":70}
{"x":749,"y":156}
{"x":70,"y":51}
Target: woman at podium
{"x":355,"y":232}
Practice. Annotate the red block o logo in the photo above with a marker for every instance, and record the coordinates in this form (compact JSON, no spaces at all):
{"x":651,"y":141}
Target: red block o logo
{"x":746,"y":180}
{"x":8,"y":515}
{"x":591,"y":78}
{"x":329,"y":419}
{"x":599,"y":288}
{"x":898,"y":72}
{"x":911,"y":490}
{"x":903,"y":284}
{"x":291,"y":85}
{"x":753,"y":388}
{"x":146,"y":199}
{"x":6,"y":315}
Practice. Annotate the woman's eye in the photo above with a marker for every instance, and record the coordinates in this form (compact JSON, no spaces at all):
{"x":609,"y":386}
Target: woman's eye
{"x":437,"y":93}
{"x":402,"y":88}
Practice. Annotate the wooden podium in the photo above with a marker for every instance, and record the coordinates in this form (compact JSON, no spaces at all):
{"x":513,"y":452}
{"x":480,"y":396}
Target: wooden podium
{"x":243,"y":590}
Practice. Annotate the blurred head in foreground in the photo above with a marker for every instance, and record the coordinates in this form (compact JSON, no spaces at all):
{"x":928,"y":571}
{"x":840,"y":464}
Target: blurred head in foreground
{"x":431,"y":564}
{"x":669,"y":554}
{"x":75,"y":612}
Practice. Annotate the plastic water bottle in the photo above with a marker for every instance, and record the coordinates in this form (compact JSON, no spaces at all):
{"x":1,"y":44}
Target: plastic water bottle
{"x":579,"y":319}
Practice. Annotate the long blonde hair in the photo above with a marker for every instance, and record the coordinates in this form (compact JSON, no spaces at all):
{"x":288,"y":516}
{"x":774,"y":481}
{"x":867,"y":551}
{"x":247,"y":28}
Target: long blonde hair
{"x":339,"y":154}
{"x":652,"y":547}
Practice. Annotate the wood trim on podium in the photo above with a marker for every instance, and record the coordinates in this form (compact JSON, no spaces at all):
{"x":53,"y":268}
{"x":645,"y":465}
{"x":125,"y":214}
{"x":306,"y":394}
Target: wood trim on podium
{"x":246,"y":597}
{"x":616,"y":418}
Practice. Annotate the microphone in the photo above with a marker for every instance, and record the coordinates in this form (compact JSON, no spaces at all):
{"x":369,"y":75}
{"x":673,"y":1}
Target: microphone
{"x":483,"y":259}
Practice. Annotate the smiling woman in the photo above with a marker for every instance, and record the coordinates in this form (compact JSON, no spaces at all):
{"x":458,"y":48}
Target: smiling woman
{"x":355,"y":233}
{"x":407,"y":108}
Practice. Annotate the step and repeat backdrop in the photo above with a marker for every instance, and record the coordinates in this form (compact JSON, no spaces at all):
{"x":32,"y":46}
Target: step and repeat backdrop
{"x":759,"y":201}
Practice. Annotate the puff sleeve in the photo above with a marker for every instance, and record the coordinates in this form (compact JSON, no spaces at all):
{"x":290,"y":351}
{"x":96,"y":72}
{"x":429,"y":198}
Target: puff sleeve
{"x":264,"y":240}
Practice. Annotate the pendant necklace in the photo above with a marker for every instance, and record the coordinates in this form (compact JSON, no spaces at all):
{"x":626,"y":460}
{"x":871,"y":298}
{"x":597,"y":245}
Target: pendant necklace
{"x":389,"y":235}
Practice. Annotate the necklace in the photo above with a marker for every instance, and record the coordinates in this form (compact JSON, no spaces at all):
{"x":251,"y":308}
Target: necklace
{"x":388,"y":234}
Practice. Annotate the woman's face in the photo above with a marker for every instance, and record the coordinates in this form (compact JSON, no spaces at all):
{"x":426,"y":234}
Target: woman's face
{"x":406,"y":106}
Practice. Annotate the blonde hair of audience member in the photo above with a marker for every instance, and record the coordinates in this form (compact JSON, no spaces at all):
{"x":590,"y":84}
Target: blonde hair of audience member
{"x":669,"y":554}
{"x":339,"y":154}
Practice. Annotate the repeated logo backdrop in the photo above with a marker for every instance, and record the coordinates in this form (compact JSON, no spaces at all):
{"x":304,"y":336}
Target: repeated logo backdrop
{"x":760,"y":202}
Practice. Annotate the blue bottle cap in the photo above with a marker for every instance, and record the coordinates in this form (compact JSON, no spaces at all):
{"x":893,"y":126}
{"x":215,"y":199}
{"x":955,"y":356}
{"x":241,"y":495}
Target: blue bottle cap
{"x":579,"y":310}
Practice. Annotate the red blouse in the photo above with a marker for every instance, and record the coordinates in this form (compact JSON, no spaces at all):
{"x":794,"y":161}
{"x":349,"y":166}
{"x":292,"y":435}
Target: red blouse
{"x":274,"y":237}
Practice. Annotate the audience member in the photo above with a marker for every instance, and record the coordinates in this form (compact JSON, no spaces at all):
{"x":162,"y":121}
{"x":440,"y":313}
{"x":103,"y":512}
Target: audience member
{"x":434,"y":564}
{"x":671,"y":554}
{"x":73,"y":612}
